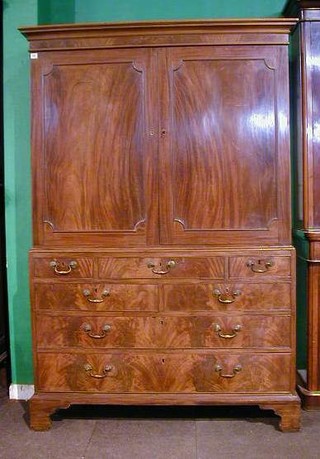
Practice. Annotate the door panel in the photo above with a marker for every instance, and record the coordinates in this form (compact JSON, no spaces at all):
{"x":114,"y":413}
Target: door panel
{"x":222,"y":175}
{"x":96,"y":165}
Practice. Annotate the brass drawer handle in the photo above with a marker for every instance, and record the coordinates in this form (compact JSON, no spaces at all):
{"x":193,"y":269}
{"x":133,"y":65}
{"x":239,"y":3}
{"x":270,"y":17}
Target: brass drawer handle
{"x":88,"y":368}
{"x":87,"y":294}
{"x":219,"y":332}
{"x":226,"y":297}
{"x":169,"y":265}
{"x":60,"y":270}
{"x":88,"y":329}
{"x":237,"y":369}
{"x":260,"y":266}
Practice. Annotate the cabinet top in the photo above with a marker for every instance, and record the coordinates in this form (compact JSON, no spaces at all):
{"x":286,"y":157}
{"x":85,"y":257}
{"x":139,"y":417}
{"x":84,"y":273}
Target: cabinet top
{"x":304,"y":9}
{"x":159,"y":33}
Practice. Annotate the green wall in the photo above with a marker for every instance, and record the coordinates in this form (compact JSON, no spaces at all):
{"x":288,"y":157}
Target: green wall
{"x":17,"y":122}
{"x":17,"y":181}
{"x":131,"y":10}
{"x":56,"y":11}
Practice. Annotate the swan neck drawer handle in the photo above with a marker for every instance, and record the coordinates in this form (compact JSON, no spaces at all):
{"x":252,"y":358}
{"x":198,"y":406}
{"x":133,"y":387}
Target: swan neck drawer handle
{"x":169,"y":265}
{"x":87,"y":293}
{"x":260,"y":266}
{"x":59,"y":268}
{"x":236,"y":369}
{"x":226,"y":297}
{"x":88,"y":330}
{"x":89,"y":370}
{"x":218,"y":330}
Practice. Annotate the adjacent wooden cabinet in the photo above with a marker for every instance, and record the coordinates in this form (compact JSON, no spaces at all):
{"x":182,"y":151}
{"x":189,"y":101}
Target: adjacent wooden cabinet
{"x":162,"y":270}
{"x":305,"y":73}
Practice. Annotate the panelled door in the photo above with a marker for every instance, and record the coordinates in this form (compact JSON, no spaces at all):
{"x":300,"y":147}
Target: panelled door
{"x":224,"y":146}
{"x":94,"y":176}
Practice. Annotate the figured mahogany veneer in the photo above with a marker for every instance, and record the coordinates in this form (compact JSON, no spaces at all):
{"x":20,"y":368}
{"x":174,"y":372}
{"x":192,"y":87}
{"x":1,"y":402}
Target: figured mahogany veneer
{"x":153,"y":268}
{"x":63,"y":266}
{"x":162,"y":270}
{"x":238,"y":266}
{"x":95,"y":297}
{"x":214,"y":331}
{"x":143,"y":373}
{"x":227,"y":297}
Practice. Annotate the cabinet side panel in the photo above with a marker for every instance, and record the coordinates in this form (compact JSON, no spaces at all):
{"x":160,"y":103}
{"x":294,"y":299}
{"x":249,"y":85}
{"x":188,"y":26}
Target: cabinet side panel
{"x":313,"y":64}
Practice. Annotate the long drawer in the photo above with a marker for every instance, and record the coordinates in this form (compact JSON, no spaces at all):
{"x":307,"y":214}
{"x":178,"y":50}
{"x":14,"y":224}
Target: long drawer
{"x":190,"y":297}
{"x":245,"y":331}
{"x":164,"y":372}
{"x":220,"y":266}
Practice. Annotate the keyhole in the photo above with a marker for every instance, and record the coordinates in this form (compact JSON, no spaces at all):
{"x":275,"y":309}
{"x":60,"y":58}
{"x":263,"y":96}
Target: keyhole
{"x":161,"y":322}
{"x":162,"y":361}
{"x":163,"y":132}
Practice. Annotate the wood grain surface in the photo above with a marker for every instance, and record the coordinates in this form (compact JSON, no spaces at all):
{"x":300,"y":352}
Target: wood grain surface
{"x":251,"y":297}
{"x":71,"y":297}
{"x":191,"y":267}
{"x":152,"y":332}
{"x":157,"y":372}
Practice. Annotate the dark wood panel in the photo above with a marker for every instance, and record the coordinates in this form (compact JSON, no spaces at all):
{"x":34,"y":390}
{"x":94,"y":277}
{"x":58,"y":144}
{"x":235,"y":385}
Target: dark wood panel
{"x":104,"y":134}
{"x":154,"y":267}
{"x":227,"y":297}
{"x":263,"y":331}
{"x":215,"y":134}
{"x":96,"y":297}
{"x":158,"y":372}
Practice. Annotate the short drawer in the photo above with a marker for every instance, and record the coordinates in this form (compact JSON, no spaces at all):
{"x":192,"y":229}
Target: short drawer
{"x":260,"y":331}
{"x":157,"y":268}
{"x":227,"y":297}
{"x":96,"y":297}
{"x":259,"y":266}
{"x":63,"y":267}
{"x":125,"y":372}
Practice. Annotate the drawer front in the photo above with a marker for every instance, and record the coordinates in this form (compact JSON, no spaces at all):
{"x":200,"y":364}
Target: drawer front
{"x":96,"y":297}
{"x":227,"y":297}
{"x":160,"y":268}
{"x":260,"y":331}
{"x":63,"y":267}
{"x":164,"y":372}
{"x":259,"y":267}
